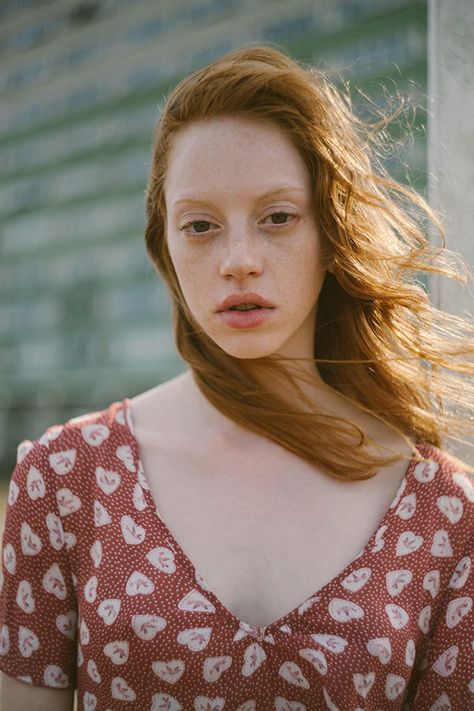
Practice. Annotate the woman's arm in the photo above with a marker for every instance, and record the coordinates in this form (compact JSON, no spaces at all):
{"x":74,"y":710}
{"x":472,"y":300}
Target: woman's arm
{"x":16,"y":695}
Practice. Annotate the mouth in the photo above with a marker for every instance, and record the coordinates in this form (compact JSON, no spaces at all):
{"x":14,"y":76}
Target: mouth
{"x":246,"y":318}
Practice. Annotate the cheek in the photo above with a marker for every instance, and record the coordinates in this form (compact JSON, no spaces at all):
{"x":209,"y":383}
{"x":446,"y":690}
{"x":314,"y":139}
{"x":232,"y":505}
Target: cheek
{"x":192,"y":278}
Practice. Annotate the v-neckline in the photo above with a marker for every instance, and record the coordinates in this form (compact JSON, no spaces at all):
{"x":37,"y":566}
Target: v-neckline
{"x":361,"y":559}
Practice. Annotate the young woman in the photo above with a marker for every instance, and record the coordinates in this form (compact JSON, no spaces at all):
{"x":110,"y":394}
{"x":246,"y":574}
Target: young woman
{"x":278,"y":527}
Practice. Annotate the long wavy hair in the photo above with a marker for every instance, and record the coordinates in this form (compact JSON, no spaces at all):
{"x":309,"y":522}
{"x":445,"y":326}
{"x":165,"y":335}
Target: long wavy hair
{"x":379,"y":342}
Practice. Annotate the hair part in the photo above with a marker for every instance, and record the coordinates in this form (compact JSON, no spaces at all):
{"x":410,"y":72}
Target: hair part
{"x":378,"y":340}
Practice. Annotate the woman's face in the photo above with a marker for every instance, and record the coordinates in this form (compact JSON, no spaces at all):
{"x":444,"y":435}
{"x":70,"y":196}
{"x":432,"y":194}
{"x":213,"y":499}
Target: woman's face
{"x":224,"y":237}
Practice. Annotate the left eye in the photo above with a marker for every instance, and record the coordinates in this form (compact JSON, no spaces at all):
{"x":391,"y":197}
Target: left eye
{"x":280,"y":214}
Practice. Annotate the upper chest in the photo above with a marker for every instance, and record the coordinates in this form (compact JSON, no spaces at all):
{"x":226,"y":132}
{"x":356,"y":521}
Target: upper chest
{"x":264,"y":528}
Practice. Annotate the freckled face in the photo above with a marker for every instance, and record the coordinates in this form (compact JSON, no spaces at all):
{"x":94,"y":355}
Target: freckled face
{"x":225,"y":237}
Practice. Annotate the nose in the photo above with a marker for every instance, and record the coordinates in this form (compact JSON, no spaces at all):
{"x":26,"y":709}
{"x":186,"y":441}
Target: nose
{"x":242,"y":255}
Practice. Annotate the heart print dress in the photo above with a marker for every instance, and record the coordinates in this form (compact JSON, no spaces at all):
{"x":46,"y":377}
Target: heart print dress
{"x":97,"y":594}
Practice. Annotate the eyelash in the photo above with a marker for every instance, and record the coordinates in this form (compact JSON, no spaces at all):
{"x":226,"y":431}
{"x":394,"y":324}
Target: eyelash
{"x":204,"y":234}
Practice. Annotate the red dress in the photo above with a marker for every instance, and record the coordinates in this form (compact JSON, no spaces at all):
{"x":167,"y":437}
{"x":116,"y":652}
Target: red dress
{"x":97,"y":594}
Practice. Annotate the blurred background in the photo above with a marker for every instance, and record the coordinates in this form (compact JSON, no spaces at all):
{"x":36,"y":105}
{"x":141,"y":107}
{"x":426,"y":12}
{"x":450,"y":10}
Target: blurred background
{"x":84,"y":318}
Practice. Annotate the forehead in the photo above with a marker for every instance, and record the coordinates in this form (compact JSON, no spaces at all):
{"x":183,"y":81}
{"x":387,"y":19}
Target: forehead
{"x":227,"y":151}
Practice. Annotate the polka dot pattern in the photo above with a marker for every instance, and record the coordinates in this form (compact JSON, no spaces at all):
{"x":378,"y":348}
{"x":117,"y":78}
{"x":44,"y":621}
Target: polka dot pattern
{"x":96,"y":593}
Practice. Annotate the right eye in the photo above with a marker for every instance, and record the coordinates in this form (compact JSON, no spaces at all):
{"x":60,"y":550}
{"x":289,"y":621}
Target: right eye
{"x":201,"y":223}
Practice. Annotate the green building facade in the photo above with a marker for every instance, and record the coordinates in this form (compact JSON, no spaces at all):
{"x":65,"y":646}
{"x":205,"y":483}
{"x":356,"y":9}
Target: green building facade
{"x":84,"y":318}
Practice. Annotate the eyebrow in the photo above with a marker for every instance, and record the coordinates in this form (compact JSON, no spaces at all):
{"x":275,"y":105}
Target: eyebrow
{"x":269,"y":193}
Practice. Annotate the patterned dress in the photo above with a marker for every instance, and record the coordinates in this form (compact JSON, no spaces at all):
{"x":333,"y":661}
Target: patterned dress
{"x":97,"y":594}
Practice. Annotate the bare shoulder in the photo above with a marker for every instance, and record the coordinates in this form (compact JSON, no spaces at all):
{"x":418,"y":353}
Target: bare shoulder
{"x":15,"y":694}
{"x":160,"y":406}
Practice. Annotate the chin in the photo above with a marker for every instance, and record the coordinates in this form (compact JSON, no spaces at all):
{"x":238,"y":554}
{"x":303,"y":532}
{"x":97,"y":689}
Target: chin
{"x":245,"y":349}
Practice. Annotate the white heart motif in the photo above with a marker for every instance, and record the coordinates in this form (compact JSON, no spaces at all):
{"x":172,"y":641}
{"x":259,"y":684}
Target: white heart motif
{"x":30,"y":542}
{"x":457,"y":609}
{"x":205,"y":703}
{"x":451,"y":507}
{"x":410,"y":653}
{"x":125,"y":454}
{"x":441,"y":546}
{"x":290,"y":672}
{"x":344,"y":610}
{"x":399,"y":493}
{"x":165,"y":701}
{"x":24,"y":597}
{"x":69,"y":539}
{"x":120,"y":417}
{"x":170,"y":671}
{"x":461,"y":573}
{"x":195,"y":639}
{"x":147,"y":626}
{"x":331,"y":642}
{"x":53,"y":582}
{"x":35,"y":484}
{"x":93,"y":671}
{"x":379,"y":540}
{"x":9,"y":558}
{"x":424,"y":471}
{"x":54,"y":676}
{"x":442,"y":703}
{"x":90,"y":699}
{"x":407,"y":507}
{"x":67,"y":501}
{"x":4,"y":640}
{"x":363,"y":683}
{"x":396,"y":580}
{"x":397,"y":615}
{"x":357,"y":579}
{"x":408,"y":542}
{"x":63,"y":462}
{"x":431,"y":582}
{"x":117,"y":651}
{"x":28,"y":642}
{"x":84,"y":635}
{"x":424,"y":619}
{"x":194,"y":601}
{"x":139,"y":498}
{"x":95,"y":434}
{"x":90,"y":589}
{"x":101,"y":515}
{"x":96,"y":553}
{"x":446,"y":662}
{"x":67,"y":623}
{"x":13,"y":492}
{"x":23,"y":449}
{"x":394,"y":686}
{"x":381,"y":648}
{"x":466,"y":484}
{"x":329,"y":702}
{"x":142,"y":480}
{"x":131,"y":531}
{"x":316,"y":658}
{"x":139,"y":584}
{"x":214,"y":667}
{"x":121,"y":690}
{"x":109,"y":609}
{"x":56,"y":531}
{"x":108,"y":481}
{"x":163,"y":559}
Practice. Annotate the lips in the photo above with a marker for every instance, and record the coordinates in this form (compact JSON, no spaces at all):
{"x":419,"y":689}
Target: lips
{"x":245,"y":298}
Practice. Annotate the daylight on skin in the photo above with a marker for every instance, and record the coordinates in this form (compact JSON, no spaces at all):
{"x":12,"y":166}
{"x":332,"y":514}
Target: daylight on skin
{"x":230,"y":163}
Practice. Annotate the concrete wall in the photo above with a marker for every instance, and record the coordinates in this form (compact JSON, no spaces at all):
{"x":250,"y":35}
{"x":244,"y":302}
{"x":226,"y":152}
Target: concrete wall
{"x":451,"y":147}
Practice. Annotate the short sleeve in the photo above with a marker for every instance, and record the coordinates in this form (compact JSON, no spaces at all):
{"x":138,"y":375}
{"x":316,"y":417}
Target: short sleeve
{"x":38,"y":607}
{"x":447,"y":679}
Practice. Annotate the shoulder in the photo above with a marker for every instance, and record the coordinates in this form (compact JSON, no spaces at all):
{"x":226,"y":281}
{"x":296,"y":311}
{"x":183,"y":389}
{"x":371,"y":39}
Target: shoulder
{"x":73,"y":444}
{"x":445,"y":469}
{"x":449,"y":494}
